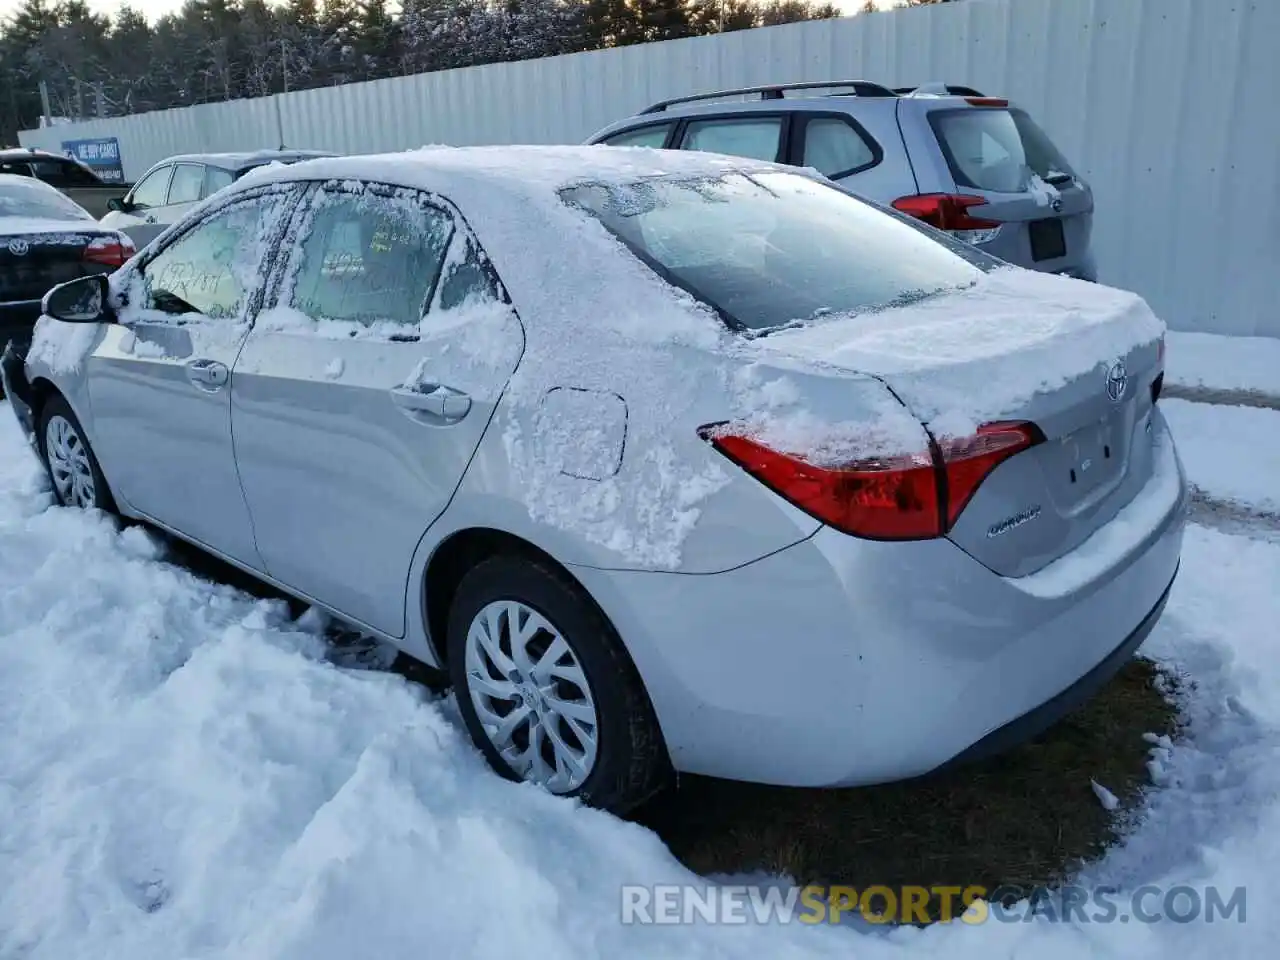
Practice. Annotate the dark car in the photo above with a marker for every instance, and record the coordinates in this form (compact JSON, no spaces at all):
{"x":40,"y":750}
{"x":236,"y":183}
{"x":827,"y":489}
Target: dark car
{"x":48,"y":167}
{"x":46,"y":239}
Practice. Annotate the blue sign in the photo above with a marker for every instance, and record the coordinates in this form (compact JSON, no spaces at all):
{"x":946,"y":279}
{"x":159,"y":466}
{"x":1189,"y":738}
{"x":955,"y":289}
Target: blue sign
{"x":101,"y":155}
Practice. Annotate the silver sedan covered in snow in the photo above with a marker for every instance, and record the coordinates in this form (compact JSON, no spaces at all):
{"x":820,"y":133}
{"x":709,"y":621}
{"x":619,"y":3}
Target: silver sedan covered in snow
{"x":671,"y":460}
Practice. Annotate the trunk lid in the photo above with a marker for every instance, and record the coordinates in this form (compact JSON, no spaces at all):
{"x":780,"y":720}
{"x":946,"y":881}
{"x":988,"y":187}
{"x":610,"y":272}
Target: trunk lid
{"x":37,"y":254}
{"x":1076,"y":359}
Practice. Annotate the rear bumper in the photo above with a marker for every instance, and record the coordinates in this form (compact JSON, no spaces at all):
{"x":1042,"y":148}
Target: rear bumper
{"x":840,"y":662}
{"x":17,"y":389}
{"x":1034,"y":722}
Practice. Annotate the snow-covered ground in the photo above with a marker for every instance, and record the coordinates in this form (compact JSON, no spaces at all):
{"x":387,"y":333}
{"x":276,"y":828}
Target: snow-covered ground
{"x":1214,"y":362}
{"x":1231,"y":453}
{"x":183,"y":774}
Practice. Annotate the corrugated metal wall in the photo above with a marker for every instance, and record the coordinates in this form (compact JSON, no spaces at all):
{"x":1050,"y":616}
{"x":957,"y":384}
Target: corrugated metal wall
{"x":1169,"y":107}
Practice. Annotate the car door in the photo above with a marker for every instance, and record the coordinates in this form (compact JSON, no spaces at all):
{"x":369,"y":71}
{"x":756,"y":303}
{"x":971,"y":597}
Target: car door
{"x":159,"y":382}
{"x":360,"y":397}
{"x":137,"y":219}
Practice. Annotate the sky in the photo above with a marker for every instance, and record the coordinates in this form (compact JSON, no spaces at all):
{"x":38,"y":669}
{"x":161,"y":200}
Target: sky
{"x":157,"y":8}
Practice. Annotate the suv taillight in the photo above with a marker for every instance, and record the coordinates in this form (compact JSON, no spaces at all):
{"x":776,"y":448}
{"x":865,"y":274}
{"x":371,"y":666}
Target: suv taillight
{"x":112,"y":251}
{"x":916,"y":496}
{"x":950,"y":212}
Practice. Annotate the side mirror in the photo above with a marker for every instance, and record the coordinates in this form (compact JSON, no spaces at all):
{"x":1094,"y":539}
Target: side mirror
{"x":117,"y":205}
{"x":78,"y":301}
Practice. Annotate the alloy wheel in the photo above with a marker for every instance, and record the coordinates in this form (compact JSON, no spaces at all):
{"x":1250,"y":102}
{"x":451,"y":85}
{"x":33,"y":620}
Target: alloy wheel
{"x":69,"y":464}
{"x":531,"y":696}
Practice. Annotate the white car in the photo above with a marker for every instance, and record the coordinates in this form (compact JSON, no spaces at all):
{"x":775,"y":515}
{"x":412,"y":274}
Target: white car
{"x":172,"y":188}
{"x":671,"y":460}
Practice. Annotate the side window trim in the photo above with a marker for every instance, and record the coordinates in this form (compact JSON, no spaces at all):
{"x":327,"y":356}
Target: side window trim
{"x":256,"y":299}
{"x":800,"y":131}
{"x":784,"y":127}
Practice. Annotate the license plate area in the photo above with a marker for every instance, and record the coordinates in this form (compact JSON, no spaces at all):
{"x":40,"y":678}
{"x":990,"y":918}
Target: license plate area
{"x":1048,"y":241}
{"x":1091,"y":457}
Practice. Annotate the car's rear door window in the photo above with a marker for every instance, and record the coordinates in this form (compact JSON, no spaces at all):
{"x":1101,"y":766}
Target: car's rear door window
{"x":835,"y":148}
{"x":997,"y":150}
{"x":370,"y":257}
{"x":757,"y":138}
{"x":215,"y":178}
{"x":188,"y":181}
{"x":654,"y":135}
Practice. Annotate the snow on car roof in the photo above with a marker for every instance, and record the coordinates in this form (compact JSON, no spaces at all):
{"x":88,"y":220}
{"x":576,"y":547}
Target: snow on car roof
{"x":533,"y":169}
{"x":557,"y":262}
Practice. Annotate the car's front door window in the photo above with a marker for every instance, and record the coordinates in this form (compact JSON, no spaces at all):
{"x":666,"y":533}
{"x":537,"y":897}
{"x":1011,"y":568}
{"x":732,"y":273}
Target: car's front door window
{"x":214,"y":267}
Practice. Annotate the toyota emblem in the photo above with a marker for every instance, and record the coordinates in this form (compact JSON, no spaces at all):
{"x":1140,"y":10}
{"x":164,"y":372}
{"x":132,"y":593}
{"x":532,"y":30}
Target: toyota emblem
{"x":19,"y":248}
{"x":1057,"y":205}
{"x":1117,"y":381}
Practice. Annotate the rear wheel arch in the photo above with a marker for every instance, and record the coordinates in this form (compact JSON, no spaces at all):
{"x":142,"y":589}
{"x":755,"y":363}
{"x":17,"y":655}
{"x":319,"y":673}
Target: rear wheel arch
{"x":460,"y":552}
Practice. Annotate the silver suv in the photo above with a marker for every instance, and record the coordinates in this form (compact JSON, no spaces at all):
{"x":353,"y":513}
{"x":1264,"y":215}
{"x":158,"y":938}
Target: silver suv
{"x":976,"y":166}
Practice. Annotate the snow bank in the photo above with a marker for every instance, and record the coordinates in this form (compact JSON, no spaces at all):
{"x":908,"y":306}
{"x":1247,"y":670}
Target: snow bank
{"x":1231,"y":453}
{"x":185,"y":776}
{"x":1223,"y":363}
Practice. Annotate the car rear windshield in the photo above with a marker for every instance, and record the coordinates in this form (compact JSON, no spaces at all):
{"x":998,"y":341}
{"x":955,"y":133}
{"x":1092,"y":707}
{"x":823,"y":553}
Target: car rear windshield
{"x":31,"y":199}
{"x":997,"y":150}
{"x":772,"y":249}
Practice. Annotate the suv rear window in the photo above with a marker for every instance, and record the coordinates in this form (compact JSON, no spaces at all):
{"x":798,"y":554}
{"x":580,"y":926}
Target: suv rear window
{"x":997,"y":150}
{"x":771,"y":249}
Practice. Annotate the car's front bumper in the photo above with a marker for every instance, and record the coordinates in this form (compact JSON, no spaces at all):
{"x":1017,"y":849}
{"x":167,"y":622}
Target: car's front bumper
{"x":840,"y":661}
{"x":17,"y":389}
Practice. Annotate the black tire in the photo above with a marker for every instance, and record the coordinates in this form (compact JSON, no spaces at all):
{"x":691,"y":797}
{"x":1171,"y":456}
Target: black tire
{"x":631,"y":762}
{"x":57,"y":406}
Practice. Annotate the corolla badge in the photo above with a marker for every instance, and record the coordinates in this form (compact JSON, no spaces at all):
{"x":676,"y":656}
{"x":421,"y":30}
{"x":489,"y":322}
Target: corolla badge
{"x":1017,"y":520}
{"x":1117,"y":381}
{"x":19,"y":248}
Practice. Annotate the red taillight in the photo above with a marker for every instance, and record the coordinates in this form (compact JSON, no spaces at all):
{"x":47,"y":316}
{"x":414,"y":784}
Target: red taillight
{"x":986,"y":102}
{"x":908,"y":497}
{"x":946,"y":211}
{"x":110,"y":251}
{"x":968,"y":461}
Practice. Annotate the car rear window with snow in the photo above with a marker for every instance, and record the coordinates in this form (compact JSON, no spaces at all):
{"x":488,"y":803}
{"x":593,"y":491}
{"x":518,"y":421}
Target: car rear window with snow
{"x":19,"y":199}
{"x":997,"y":150}
{"x":772,"y":249}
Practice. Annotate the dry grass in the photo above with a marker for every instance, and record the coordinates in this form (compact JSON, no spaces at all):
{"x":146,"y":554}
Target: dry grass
{"x":1027,"y":818}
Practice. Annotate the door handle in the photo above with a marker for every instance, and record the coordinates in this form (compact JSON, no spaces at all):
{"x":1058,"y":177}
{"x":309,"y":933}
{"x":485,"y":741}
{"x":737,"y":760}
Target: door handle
{"x":432,"y":403}
{"x":209,"y":375}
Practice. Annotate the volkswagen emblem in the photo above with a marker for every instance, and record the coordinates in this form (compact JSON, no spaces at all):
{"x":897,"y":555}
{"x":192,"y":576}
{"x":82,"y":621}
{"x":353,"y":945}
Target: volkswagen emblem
{"x":19,"y":248}
{"x":1117,"y":381}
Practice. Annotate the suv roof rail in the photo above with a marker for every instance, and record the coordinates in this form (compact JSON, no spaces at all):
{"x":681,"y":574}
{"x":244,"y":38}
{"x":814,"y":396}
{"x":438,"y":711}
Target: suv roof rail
{"x":938,"y":90}
{"x":774,"y":91}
